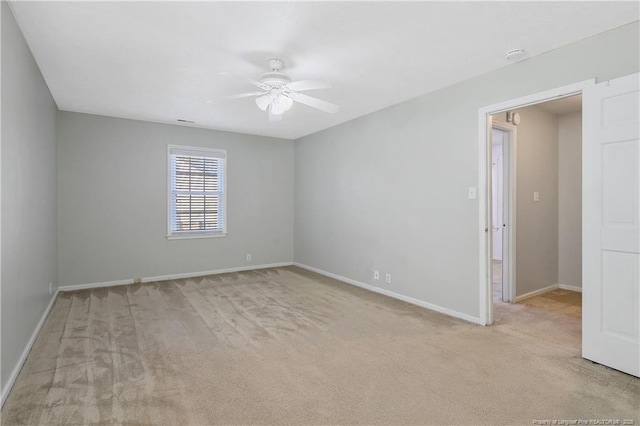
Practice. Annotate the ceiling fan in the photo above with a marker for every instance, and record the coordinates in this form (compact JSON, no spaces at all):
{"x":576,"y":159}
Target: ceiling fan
{"x":278,"y":93}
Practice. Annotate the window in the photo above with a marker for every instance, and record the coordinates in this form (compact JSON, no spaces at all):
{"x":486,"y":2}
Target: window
{"x":197,"y":196}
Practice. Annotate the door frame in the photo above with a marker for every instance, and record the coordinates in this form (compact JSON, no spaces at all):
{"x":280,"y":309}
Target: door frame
{"x":484,"y":179}
{"x":509,"y":186}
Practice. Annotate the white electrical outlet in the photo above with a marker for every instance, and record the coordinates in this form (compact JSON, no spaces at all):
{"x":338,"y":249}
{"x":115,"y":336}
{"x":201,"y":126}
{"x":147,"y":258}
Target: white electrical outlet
{"x":376,"y":275}
{"x":388,"y":279}
{"x":248,"y":258}
{"x":536,"y":196}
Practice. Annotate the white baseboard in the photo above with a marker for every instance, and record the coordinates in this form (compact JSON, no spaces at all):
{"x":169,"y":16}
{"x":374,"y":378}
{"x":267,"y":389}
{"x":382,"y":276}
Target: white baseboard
{"x":172,"y":276}
{"x":536,"y":292}
{"x":546,"y":290}
{"x":94,"y":285}
{"x":25,"y":352}
{"x":570,"y":287}
{"x":394,"y":295}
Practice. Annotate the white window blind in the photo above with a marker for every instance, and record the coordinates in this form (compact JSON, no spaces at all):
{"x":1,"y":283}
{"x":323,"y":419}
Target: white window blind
{"x":196,"y":192}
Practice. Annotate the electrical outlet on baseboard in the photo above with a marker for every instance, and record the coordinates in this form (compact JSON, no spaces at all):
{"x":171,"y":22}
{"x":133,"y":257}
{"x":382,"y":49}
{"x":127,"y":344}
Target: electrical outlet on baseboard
{"x":388,"y":279}
{"x":376,"y":275}
{"x":137,"y":280}
{"x":249,"y":257}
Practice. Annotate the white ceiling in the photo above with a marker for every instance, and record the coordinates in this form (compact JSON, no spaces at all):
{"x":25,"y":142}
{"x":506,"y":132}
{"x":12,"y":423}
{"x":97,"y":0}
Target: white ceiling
{"x":159,"y":61}
{"x":565,"y":105}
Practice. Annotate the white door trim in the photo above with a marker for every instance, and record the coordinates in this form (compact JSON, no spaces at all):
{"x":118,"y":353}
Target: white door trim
{"x":509,"y":164}
{"x":484,"y":179}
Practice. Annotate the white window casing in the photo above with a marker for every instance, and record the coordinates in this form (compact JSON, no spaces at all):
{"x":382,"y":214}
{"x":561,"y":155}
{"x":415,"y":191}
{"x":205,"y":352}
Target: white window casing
{"x":196,"y":192}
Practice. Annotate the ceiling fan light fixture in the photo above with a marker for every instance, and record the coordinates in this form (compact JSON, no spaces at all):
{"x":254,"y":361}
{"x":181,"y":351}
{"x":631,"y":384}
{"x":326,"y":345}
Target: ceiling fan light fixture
{"x":277,"y":108}
{"x":280,"y":104}
{"x":263,"y":101}
{"x":286,"y":102}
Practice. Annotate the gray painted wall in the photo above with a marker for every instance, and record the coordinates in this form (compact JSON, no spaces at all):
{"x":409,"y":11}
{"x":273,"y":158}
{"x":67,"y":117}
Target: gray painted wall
{"x":388,"y":191}
{"x":537,"y":221}
{"x":570,"y":199}
{"x":29,"y":194}
{"x":113,"y":201}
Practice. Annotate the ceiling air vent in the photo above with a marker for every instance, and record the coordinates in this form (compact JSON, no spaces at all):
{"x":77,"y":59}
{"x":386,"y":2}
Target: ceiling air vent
{"x":514,"y":54}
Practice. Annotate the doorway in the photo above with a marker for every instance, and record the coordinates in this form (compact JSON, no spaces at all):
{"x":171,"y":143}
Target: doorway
{"x":503,"y":208}
{"x":609,"y":230}
{"x":547,"y":218}
{"x":505,"y":287}
{"x":497,"y":188}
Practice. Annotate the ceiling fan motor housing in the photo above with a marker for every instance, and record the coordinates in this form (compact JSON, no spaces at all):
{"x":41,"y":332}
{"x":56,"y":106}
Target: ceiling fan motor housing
{"x":275,"y":79}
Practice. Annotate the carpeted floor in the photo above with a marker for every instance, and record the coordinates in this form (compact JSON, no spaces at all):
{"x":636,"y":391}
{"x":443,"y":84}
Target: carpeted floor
{"x":286,"y":346}
{"x":560,"y":301}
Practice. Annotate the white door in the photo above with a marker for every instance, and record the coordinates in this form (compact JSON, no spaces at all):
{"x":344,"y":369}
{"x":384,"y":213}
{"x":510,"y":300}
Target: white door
{"x":497,"y":192}
{"x":611,"y":235}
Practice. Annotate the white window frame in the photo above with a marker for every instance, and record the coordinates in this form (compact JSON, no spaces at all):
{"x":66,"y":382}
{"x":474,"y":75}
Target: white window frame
{"x":199,"y":152}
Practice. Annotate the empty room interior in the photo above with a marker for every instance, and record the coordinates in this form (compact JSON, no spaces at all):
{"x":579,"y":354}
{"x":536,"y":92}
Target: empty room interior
{"x":320,"y":212}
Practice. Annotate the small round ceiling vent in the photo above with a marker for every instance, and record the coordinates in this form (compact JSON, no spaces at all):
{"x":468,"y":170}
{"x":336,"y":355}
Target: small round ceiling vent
{"x":514,"y":54}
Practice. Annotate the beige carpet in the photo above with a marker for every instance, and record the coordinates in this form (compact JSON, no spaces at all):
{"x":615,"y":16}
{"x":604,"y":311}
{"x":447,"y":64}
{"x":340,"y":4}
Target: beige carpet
{"x":286,"y":346}
{"x":561,"y":301}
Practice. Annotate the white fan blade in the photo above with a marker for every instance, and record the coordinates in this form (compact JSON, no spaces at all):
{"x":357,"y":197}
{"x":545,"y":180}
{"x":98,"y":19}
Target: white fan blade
{"x":244,"y":95}
{"x":302,"y":85}
{"x":315,"y":103}
{"x":262,"y":86}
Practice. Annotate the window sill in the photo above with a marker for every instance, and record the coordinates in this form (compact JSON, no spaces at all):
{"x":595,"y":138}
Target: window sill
{"x":193,"y":236}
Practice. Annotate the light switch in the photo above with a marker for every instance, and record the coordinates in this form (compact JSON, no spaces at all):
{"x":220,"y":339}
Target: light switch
{"x":536,"y":196}
{"x":472,"y":193}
